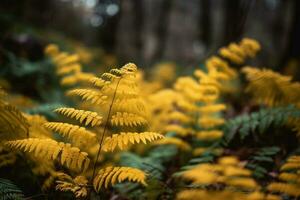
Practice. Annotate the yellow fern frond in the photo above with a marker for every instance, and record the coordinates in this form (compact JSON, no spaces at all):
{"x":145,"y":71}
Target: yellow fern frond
{"x":78,"y":185}
{"x":122,"y":140}
{"x":200,"y":150}
{"x":209,"y":135}
{"x":210,"y":121}
{"x":69,"y":80}
{"x":93,"y":96}
{"x":127,"y":119}
{"x":290,"y":177}
{"x":70,"y":59}
{"x":244,"y":183}
{"x":113,"y":175}
{"x":73,"y":132}
{"x":212,"y":108}
{"x":50,"y":149}
{"x":135,"y":105}
{"x":179,"y":130}
{"x":50,"y":180}
{"x":2,"y":92}
{"x":289,"y":189}
{"x":271,"y":88}
{"x":110,"y":76}
{"x":72,"y":68}
{"x":215,"y":63}
{"x":174,"y":141}
{"x":51,"y":49}
{"x":99,"y":82}
{"x":59,"y":57}
{"x":36,"y":129}
{"x":73,"y":79}
{"x":179,"y":117}
{"x":250,"y":46}
{"x":13,"y":124}
{"x":86,"y":117}
{"x":237,"y":53}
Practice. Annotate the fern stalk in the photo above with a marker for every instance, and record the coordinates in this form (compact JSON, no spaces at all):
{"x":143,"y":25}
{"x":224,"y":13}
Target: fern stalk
{"x":104,"y":130}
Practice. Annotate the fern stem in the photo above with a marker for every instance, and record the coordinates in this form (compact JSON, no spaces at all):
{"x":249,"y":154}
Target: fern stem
{"x":105,"y":127}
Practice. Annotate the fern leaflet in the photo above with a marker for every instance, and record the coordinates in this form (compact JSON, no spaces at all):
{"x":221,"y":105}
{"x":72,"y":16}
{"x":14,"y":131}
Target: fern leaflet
{"x":260,"y":121}
{"x":113,"y":175}
{"x":122,"y":140}
{"x":48,"y":148}
{"x":86,"y":117}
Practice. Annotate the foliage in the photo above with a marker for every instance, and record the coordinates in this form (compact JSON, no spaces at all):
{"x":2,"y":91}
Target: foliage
{"x":9,"y":191}
{"x":257,"y":162}
{"x":132,"y":134}
{"x":259,"y":121}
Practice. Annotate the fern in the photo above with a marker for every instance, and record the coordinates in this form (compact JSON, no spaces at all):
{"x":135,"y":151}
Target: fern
{"x":99,"y":82}
{"x":72,"y":68}
{"x":262,"y":156}
{"x":153,"y":163}
{"x":122,"y":140}
{"x":127,"y":119}
{"x":73,"y":132}
{"x":271,"y":88}
{"x":182,"y":145}
{"x":48,"y":148}
{"x":290,"y":178}
{"x":206,"y":157}
{"x":258,"y":121}
{"x":78,"y":185}
{"x":9,"y":191}
{"x":44,"y":109}
{"x":12,"y":122}
{"x":90,"y":95}
{"x":113,"y":175}
{"x":237,"y":53}
{"x":118,"y":95}
{"x":2,"y":92}
{"x":86,"y":117}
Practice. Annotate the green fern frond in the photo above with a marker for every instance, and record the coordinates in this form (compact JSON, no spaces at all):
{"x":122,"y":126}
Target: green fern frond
{"x":50,"y":149}
{"x":73,"y":132}
{"x":85,"y":117}
{"x":9,"y":191}
{"x":260,"y":121}
{"x":260,"y":157}
{"x":127,"y":119}
{"x":93,"y":96}
{"x":112,"y":175}
{"x":122,"y":140}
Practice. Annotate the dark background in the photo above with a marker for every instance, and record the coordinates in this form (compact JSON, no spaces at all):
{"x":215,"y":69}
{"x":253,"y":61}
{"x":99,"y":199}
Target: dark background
{"x":148,"y":31}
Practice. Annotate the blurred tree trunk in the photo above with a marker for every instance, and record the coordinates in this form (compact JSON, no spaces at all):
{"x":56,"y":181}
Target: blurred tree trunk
{"x":182,"y":42}
{"x":205,"y":22}
{"x":292,"y":49}
{"x":127,"y":35}
{"x":156,"y":15}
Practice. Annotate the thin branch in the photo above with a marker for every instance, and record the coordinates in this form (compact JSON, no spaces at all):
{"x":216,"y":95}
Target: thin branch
{"x":105,"y":127}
